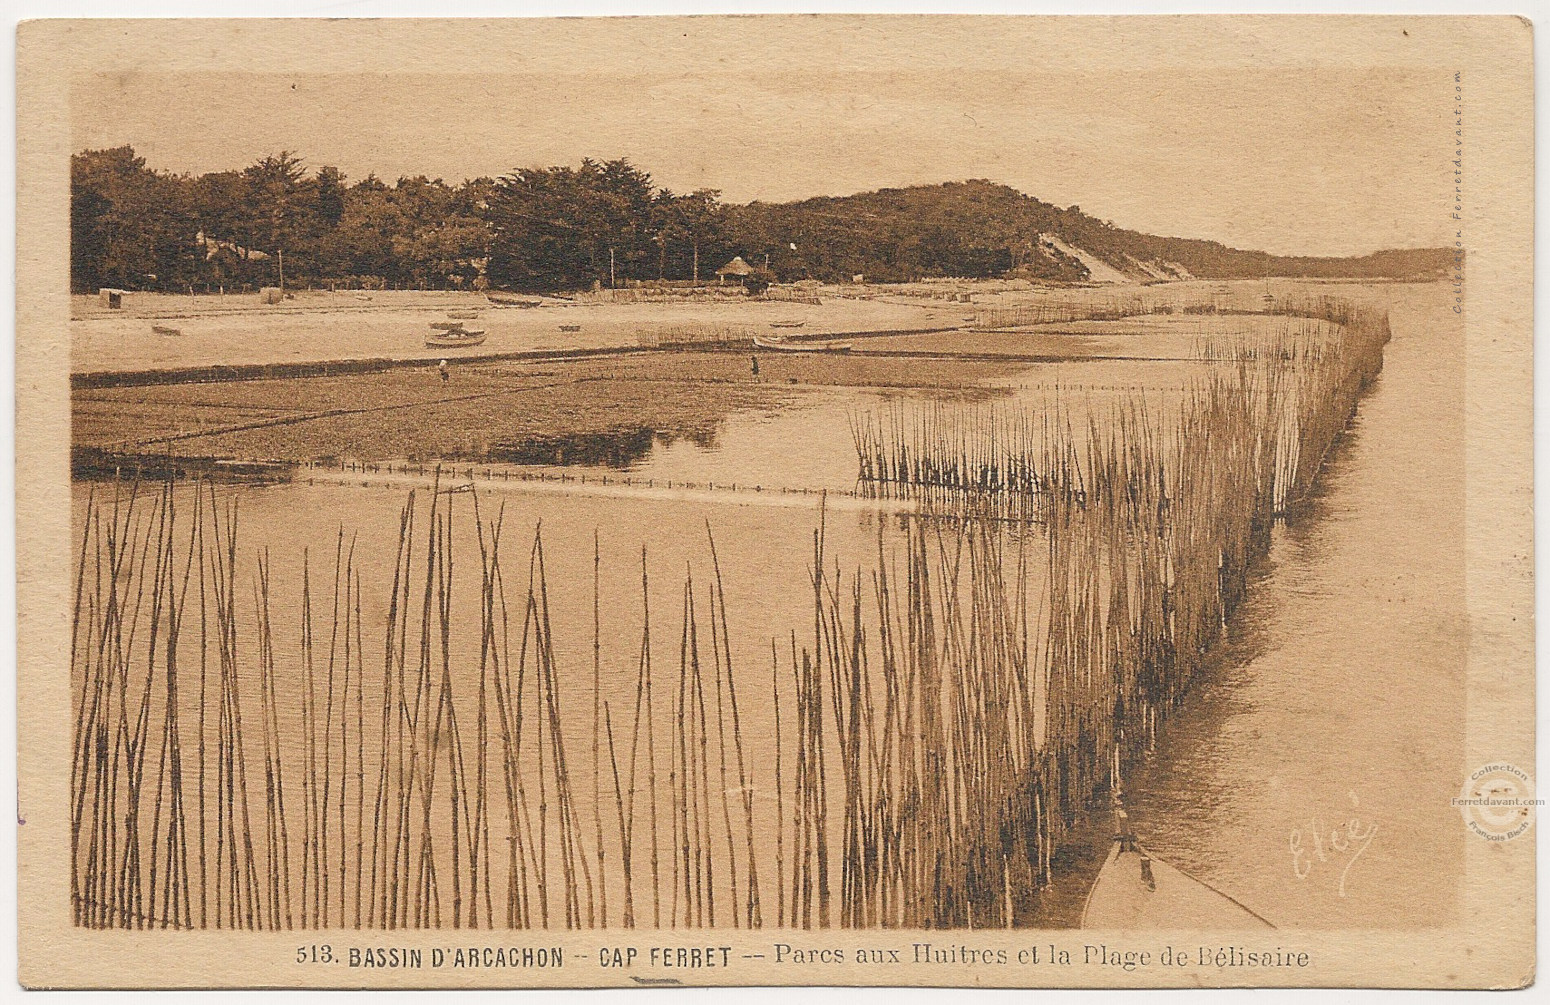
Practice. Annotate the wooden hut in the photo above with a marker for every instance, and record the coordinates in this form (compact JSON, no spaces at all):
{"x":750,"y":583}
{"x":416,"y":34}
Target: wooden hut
{"x":110,"y":298}
{"x":736,"y":267}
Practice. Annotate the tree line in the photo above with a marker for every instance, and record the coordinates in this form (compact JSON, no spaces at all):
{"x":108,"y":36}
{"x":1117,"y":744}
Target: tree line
{"x":277,"y":222}
{"x":538,"y":228}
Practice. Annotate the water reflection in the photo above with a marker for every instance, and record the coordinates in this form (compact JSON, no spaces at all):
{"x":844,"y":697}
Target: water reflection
{"x":1337,"y":707}
{"x":613,"y":449}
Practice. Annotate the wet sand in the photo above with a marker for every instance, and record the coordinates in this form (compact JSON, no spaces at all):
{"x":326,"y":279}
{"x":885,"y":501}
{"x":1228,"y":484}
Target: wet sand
{"x":481,"y":411}
{"x":494,"y":411}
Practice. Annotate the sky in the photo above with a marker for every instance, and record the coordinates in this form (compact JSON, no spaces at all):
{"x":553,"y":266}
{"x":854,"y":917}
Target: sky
{"x":1288,"y":151}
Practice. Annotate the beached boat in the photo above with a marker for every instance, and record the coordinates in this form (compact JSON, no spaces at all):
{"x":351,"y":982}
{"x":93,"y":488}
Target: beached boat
{"x":781,"y":345}
{"x":166,"y":330}
{"x":509,"y":300}
{"x":455,"y":338}
{"x":787,"y":324}
{"x":1137,"y":890}
{"x":463,"y":315}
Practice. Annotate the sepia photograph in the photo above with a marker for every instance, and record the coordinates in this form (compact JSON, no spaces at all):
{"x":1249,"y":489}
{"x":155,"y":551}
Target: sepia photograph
{"x":776,"y":500}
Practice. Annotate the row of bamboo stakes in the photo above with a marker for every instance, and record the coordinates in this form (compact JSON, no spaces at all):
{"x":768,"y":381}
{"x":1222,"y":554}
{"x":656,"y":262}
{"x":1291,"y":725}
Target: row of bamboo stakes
{"x":920,"y":751}
{"x":1303,"y":381}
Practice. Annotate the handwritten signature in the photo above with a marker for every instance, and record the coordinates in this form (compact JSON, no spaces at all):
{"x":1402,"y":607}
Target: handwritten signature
{"x":1313,"y":845}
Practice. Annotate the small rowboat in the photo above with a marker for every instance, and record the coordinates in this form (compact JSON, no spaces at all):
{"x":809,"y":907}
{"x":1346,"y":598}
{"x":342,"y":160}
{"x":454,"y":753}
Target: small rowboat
{"x":787,"y":324}
{"x":507,"y":300}
{"x":463,"y":315}
{"x":455,"y":338}
{"x":1137,"y":890}
{"x":166,"y":330}
{"x":781,"y":345}
{"x":448,"y":326}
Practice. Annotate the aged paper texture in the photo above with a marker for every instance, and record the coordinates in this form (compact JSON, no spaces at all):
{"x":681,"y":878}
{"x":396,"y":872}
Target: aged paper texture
{"x":844,"y":500}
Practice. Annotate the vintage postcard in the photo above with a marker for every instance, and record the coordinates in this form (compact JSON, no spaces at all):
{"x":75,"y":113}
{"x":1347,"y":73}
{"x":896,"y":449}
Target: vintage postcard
{"x":783,"y":500}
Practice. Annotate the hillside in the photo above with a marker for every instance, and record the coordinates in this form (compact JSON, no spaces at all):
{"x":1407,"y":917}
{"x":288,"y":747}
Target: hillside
{"x":276,"y":222}
{"x":979,"y":228}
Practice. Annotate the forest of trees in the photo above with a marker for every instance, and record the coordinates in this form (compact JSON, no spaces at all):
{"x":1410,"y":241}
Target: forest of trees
{"x":136,"y":228}
{"x":538,"y":228}
{"x":602,"y":222}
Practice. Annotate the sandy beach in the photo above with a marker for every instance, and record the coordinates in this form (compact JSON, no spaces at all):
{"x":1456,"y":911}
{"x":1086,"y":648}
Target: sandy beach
{"x":237,"y":329}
